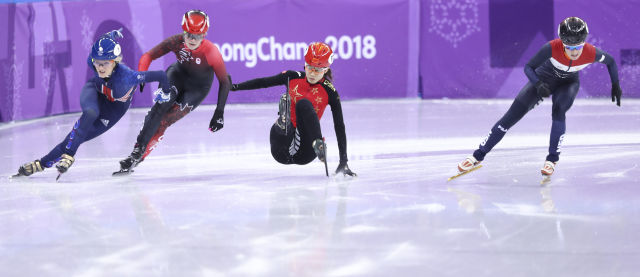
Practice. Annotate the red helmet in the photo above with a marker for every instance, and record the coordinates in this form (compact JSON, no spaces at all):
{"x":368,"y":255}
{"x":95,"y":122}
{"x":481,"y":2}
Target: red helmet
{"x":319,"y":55}
{"x":195,"y":22}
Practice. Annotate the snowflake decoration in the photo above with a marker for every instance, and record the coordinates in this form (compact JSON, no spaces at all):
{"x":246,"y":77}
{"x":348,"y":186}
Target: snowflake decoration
{"x":47,"y":61}
{"x":46,"y":78}
{"x":13,"y":75}
{"x":87,"y":30}
{"x":137,"y":28}
{"x":454,"y":20}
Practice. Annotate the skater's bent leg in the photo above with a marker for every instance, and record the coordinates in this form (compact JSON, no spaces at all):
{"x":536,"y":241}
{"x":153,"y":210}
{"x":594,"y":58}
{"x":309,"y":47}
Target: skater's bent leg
{"x":172,"y":116}
{"x":153,"y":120}
{"x":524,"y":102}
{"x":558,"y":129}
{"x":562,"y":102}
{"x":307,"y":119}
{"x":82,"y":129}
{"x":281,"y":144}
{"x":308,"y":130}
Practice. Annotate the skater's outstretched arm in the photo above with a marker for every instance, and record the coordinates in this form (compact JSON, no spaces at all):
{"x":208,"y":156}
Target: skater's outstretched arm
{"x":214,"y":58}
{"x":276,"y":80}
{"x":338,"y":125}
{"x":164,"y":47}
{"x":605,"y":58}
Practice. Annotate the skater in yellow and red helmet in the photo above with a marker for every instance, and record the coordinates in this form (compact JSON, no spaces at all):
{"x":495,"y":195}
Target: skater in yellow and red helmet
{"x":296,"y":137}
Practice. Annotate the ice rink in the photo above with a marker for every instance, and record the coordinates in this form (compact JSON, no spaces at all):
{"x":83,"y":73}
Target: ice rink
{"x":206,"y":204}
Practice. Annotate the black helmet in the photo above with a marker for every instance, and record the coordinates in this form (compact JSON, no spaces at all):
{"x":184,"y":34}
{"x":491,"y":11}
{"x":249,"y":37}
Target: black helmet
{"x":573,"y":30}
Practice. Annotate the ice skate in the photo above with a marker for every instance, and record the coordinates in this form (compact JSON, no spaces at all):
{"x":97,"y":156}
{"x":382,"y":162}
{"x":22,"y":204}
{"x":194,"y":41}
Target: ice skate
{"x":467,"y":165}
{"x":28,"y":169}
{"x":127,"y":165}
{"x":547,"y":170}
{"x":321,"y":151}
{"x":284,"y":112}
{"x":64,"y":164}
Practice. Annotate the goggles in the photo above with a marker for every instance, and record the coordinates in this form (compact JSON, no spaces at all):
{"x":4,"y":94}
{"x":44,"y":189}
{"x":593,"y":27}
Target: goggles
{"x":316,"y":69}
{"x":573,"y":47}
{"x":101,"y":63}
{"x":193,"y":36}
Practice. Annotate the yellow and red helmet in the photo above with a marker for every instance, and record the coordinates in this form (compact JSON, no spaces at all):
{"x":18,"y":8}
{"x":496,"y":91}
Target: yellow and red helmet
{"x":195,"y":22}
{"x":319,"y":54}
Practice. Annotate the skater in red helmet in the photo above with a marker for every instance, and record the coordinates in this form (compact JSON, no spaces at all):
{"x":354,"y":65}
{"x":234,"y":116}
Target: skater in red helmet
{"x":198,"y":60}
{"x":296,"y":137}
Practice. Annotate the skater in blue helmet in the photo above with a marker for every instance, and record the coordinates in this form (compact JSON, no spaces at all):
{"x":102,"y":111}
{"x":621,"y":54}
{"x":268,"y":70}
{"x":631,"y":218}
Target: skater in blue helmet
{"x":105,"y":98}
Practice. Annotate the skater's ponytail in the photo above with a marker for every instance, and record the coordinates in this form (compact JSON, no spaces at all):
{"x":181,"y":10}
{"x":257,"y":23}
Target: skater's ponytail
{"x":328,"y":75}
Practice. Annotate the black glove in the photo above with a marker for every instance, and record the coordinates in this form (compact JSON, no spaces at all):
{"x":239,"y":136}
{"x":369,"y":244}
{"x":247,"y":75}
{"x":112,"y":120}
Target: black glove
{"x":217,"y":121}
{"x":543,"y":89}
{"x":141,"y":87}
{"x":344,"y":168}
{"x":616,"y":93}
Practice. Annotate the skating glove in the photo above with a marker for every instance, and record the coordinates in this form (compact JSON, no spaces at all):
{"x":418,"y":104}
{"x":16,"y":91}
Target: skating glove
{"x":162,"y":96}
{"x":217,"y":121}
{"x":616,"y":93}
{"x":543,"y":89}
{"x":344,"y":168}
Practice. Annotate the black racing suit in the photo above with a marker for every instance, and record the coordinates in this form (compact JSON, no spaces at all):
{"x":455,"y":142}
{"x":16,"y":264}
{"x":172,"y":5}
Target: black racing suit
{"x":192,"y":74}
{"x":552,"y":67}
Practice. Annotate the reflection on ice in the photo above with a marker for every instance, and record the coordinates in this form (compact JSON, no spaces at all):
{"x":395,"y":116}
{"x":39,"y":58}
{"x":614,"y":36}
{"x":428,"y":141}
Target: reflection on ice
{"x":218,"y":205}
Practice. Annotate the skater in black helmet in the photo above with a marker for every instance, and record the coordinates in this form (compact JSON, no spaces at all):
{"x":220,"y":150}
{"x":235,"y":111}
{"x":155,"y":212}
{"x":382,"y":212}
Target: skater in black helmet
{"x":552,"y":72}
{"x":296,"y":137}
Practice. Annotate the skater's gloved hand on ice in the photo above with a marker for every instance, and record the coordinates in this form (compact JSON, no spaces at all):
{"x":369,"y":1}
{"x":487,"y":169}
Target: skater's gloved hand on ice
{"x":543,"y":89}
{"x":616,"y":93}
{"x":217,"y":121}
{"x":344,"y":168}
{"x":163,"y":96}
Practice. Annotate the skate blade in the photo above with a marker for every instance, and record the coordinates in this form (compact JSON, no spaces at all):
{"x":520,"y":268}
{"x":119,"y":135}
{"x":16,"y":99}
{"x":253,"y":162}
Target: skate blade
{"x":463,"y":173}
{"x":58,"y":178}
{"x":122,"y":172}
{"x":326,"y":168}
{"x":15,"y":176}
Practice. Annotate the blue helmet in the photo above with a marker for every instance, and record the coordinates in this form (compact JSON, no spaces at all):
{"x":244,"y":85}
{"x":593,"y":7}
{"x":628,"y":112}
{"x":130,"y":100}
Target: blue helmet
{"x":105,"y":48}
